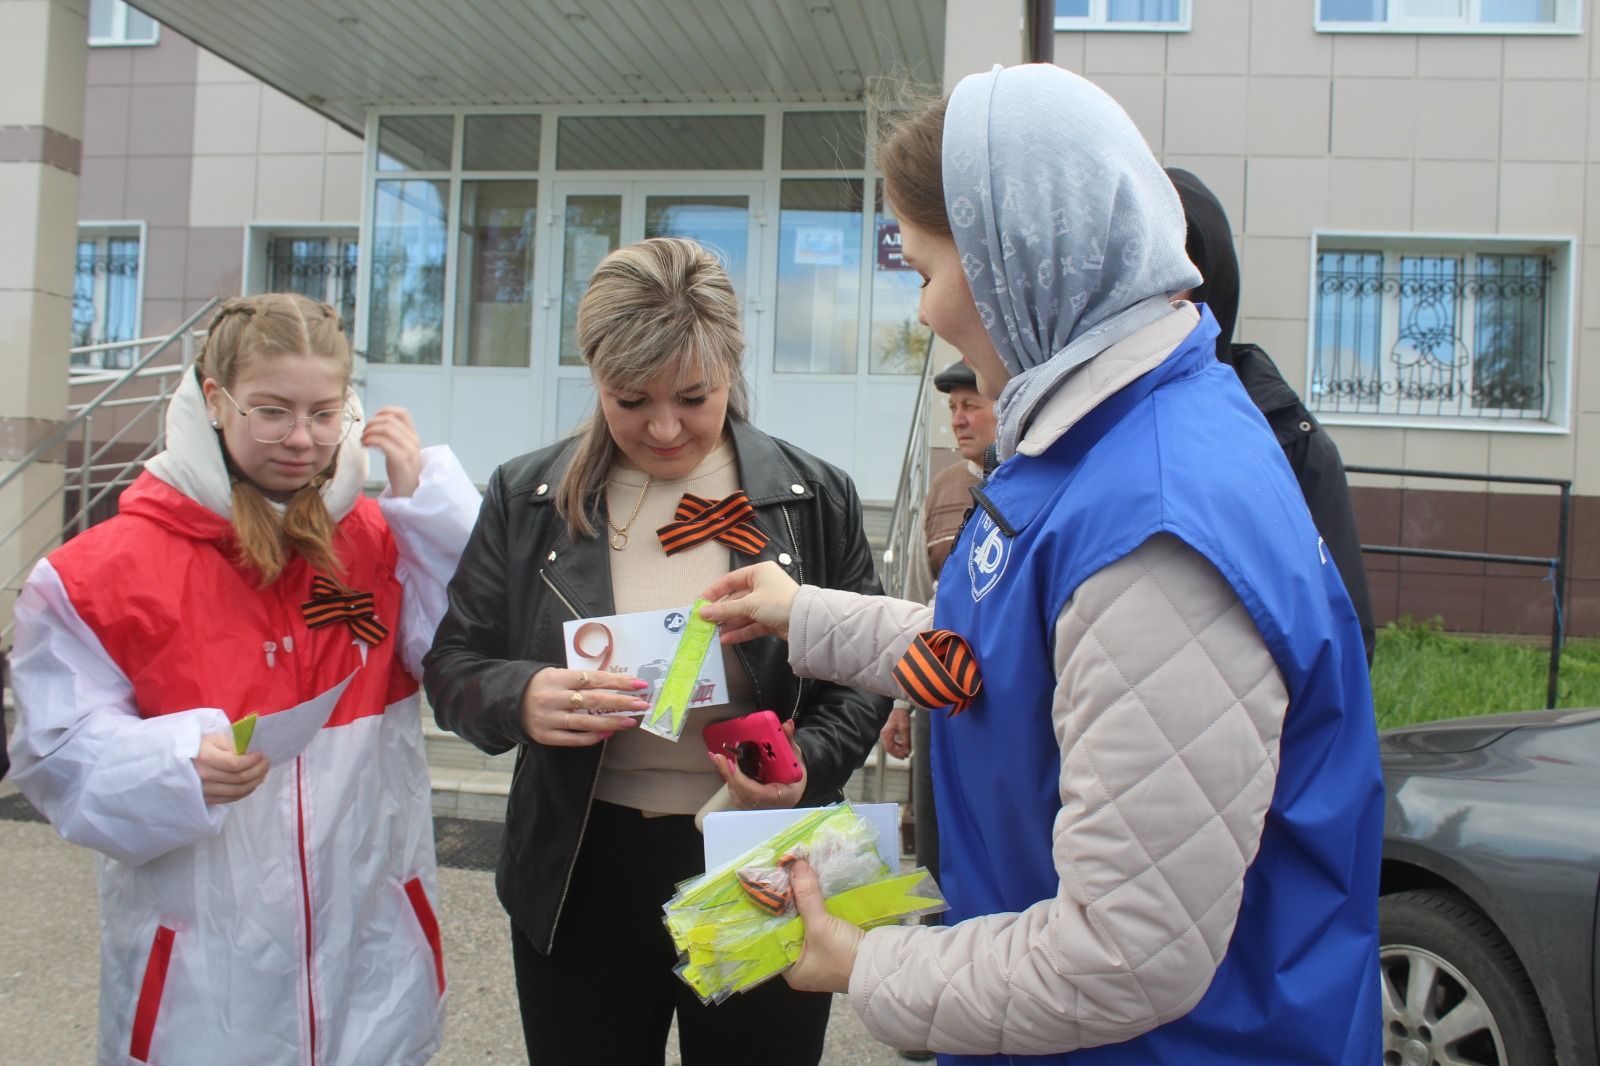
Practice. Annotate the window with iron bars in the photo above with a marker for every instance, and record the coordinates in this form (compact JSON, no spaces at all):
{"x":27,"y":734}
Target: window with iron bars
{"x":105,"y":297}
{"x":1441,"y":334}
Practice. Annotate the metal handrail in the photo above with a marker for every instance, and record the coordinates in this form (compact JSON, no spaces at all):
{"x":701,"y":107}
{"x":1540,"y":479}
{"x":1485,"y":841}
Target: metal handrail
{"x":904,"y":520}
{"x":88,"y":476}
{"x":1556,"y":564}
{"x":63,"y":431}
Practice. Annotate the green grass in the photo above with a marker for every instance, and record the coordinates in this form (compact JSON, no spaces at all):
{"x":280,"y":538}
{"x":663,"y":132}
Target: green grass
{"x":1421,"y":673}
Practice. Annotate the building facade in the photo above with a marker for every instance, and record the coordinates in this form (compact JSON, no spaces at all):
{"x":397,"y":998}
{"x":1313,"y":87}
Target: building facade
{"x":1410,"y":181}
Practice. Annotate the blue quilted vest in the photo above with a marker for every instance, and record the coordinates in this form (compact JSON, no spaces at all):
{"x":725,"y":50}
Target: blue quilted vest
{"x":1181,"y":451}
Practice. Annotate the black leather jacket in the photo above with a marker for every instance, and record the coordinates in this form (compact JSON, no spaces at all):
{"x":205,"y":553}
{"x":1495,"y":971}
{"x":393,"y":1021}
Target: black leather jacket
{"x":522,"y":575}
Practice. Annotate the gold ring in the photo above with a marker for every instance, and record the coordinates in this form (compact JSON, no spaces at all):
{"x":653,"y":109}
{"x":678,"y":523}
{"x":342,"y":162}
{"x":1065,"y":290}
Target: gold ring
{"x":583,"y":679}
{"x":575,"y":698}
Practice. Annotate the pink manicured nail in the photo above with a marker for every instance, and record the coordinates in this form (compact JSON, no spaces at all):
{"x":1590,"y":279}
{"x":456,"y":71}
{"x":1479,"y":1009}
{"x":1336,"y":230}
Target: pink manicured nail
{"x":638,"y":684}
{"x":640,"y":705}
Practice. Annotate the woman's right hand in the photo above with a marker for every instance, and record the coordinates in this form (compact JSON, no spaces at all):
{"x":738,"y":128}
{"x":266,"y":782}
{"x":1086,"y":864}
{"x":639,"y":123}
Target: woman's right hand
{"x":896,"y":732}
{"x":566,"y":708}
{"x":225,"y":775}
{"x":750,"y":602}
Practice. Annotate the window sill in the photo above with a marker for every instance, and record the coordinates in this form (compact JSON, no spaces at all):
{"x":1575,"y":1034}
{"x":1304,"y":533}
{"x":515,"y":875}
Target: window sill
{"x":1453,"y":425}
{"x":1457,"y":30}
{"x":1124,"y":27}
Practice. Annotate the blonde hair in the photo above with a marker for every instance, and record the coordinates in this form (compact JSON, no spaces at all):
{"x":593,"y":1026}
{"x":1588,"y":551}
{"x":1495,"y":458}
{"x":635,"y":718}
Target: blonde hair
{"x":665,"y":303}
{"x":262,"y":327}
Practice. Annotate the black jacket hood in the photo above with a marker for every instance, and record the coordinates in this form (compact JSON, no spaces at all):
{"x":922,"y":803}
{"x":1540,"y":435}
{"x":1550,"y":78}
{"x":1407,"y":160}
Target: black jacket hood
{"x":1210,"y":247}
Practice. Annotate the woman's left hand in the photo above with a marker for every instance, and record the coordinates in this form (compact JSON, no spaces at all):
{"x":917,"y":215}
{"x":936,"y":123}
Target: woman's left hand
{"x":391,"y":432}
{"x":748,"y":794}
{"x":829,"y":953}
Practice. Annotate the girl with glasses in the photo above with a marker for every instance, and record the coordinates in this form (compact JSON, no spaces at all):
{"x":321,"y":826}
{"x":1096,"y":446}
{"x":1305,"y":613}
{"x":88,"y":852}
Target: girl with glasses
{"x":252,"y":912}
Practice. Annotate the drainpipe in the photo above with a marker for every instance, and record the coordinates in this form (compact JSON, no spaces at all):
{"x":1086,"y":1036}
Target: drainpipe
{"x":1041,"y":31}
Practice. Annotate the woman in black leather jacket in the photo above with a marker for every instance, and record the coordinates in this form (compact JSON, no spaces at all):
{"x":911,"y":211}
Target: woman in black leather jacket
{"x":599,"y":826}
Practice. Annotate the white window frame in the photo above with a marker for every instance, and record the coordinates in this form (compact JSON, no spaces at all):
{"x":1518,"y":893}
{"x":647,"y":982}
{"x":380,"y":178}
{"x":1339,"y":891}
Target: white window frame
{"x":1560,"y":324}
{"x":102,"y":233}
{"x":1568,"y":21}
{"x":119,"y":30}
{"x":1097,"y":22}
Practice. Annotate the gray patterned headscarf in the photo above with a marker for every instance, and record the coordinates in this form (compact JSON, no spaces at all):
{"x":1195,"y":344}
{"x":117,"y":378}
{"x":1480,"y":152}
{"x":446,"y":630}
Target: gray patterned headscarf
{"x":1070,"y":234}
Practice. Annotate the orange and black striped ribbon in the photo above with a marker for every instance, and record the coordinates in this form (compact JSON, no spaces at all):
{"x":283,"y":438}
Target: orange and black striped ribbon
{"x":938,"y":670}
{"x":699,"y":520}
{"x":329,"y":604}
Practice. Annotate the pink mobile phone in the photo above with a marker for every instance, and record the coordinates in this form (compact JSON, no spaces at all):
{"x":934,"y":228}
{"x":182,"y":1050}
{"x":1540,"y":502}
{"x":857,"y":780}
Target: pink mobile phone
{"x":756,"y":742}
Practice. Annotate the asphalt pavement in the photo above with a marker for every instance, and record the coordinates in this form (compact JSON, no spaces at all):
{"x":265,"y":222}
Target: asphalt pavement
{"x":49,"y":958}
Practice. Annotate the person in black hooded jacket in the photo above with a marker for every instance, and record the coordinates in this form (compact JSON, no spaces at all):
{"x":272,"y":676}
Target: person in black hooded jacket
{"x":1310,"y":451}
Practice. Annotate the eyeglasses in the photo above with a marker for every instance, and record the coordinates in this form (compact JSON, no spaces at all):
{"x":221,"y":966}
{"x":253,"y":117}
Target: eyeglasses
{"x":270,"y":424}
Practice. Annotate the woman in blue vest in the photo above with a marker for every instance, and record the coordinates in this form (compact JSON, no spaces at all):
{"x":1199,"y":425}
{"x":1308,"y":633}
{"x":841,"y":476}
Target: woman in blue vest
{"x":1160,"y":805}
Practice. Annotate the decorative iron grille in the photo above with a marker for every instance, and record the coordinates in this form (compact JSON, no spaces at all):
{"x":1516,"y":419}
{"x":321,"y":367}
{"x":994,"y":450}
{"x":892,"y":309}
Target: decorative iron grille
{"x":1440,"y":336}
{"x":306,"y":266}
{"x":105,"y":293}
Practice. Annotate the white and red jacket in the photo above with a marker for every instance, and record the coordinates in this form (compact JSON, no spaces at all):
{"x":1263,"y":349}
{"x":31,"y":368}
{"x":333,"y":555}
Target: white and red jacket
{"x":296,"y":925}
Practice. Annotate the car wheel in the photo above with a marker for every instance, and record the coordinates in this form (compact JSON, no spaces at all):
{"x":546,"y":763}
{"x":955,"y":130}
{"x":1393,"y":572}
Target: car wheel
{"x":1453,"y":991}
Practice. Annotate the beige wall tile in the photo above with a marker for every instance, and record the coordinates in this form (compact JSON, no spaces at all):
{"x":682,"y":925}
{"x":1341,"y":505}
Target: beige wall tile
{"x":1531,"y":455}
{"x":341,"y":189}
{"x":1544,"y":120}
{"x":1276,"y":278}
{"x":1370,"y":194}
{"x":165,"y":251}
{"x":1284,"y":197}
{"x":1206,"y":115}
{"x":1588,"y":316}
{"x":1218,"y":41}
{"x":1586,"y":377}
{"x":1591,"y":213}
{"x":1453,"y":451}
{"x":976,"y":38}
{"x":1282,"y":338}
{"x":222,"y":190}
{"x":1456,"y":197}
{"x":1586,"y":461}
{"x":1541,"y":197}
{"x":1457,"y":119}
{"x":1362,"y":55}
{"x":288,"y":188}
{"x":170,"y":62}
{"x":215,"y":262}
{"x":289,"y":126}
{"x":44,"y":205}
{"x":1223,"y":174}
{"x":227,"y":116}
{"x":105,"y":120}
{"x":1443,"y":56}
{"x":1288,"y":116}
{"x":44,"y":56}
{"x":1125,"y":53}
{"x":109,"y":66}
{"x":213,"y":68}
{"x":1374,"y":117}
{"x":1282,"y":41}
{"x":1069,"y":51}
{"x":338,"y":139}
{"x":1546,"y":57}
{"x":1141,"y":96}
{"x":1368,"y":446}
{"x":39,"y":331}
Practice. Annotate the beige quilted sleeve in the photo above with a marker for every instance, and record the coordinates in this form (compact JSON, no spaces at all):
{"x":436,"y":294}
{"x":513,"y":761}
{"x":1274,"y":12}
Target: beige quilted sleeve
{"x":1167,"y":709}
{"x":852,"y":639}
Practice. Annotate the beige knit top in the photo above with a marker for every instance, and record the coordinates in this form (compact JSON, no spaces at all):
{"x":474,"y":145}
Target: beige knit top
{"x":641,"y":770}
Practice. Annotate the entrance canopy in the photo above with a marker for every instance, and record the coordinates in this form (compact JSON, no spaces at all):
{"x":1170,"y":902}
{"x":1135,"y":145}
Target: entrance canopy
{"x":341,"y":58}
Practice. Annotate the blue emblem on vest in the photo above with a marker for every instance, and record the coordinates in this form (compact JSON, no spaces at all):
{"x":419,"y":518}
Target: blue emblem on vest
{"x":986,"y":562}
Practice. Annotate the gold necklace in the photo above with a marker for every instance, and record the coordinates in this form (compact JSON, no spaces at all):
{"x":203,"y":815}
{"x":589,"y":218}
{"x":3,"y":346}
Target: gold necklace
{"x":619,"y":534}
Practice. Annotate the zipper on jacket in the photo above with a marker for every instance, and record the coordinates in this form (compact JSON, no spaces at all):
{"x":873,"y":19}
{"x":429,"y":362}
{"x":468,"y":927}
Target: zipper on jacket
{"x":305,"y":895}
{"x":588,"y":805}
{"x":800,"y":579}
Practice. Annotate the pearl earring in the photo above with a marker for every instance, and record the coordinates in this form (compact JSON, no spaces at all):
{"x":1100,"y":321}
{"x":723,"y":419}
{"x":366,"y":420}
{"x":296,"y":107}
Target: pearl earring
{"x":215,"y":424}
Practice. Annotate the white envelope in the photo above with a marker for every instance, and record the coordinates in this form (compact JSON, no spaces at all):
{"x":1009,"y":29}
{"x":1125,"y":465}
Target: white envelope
{"x":642,"y":644}
{"x":730,"y":834}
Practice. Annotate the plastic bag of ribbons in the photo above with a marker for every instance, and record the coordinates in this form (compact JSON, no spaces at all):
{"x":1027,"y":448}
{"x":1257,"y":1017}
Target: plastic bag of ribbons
{"x":735,"y":926}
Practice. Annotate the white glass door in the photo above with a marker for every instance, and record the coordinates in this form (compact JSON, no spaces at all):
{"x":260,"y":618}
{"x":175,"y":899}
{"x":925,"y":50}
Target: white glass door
{"x":593,"y":219}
